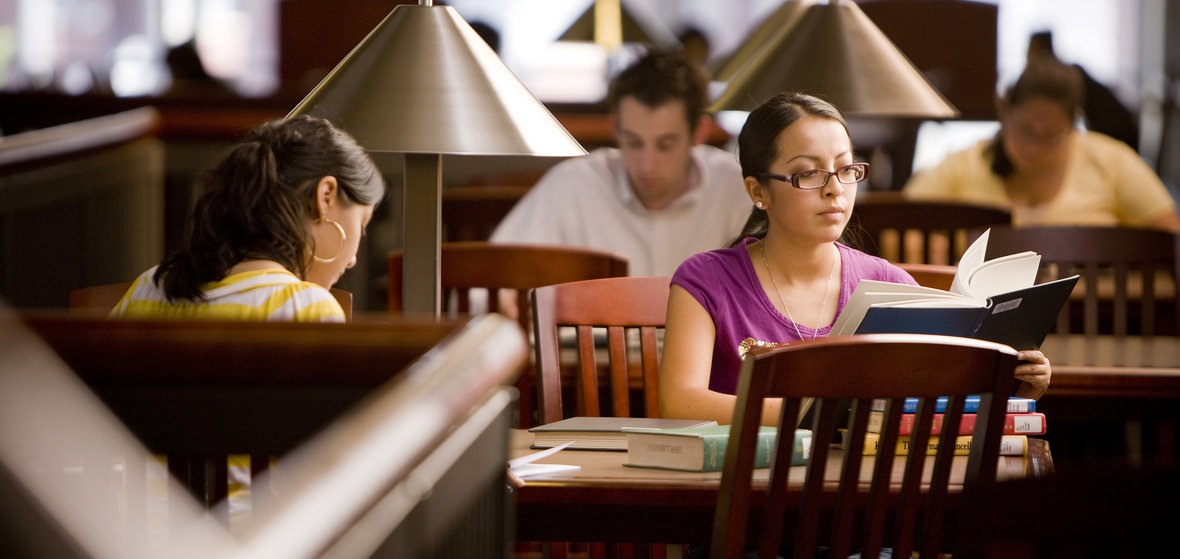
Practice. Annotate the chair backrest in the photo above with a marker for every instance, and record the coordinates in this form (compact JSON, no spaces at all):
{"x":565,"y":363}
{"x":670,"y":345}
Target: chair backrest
{"x":621,"y":306}
{"x":494,"y":267}
{"x":1128,"y":275}
{"x":938,"y":276}
{"x":830,"y":509}
{"x":467,"y":265}
{"x":905,"y":230}
{"x":100,"y":299}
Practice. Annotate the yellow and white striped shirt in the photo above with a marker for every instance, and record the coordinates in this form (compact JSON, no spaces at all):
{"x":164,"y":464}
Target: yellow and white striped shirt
{"x":273,"y":294}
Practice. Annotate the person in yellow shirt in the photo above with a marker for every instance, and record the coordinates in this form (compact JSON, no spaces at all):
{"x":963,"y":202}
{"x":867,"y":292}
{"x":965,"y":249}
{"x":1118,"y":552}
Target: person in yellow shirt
{"x":279,"y":222}
{"x":1047,"y":171}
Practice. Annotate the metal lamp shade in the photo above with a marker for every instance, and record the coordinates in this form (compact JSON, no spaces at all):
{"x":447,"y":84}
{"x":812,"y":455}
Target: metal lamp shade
{"x":777,"y":22}
{"x":834,"y":51}
{"x":423,"y":81}
{"x":585,"y":28}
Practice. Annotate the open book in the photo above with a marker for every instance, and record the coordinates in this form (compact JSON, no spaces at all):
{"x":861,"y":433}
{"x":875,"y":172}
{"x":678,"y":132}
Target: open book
{"x":994,"y":300}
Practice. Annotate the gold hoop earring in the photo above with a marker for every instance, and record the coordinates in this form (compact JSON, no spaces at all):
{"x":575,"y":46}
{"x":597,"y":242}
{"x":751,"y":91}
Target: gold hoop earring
{"x":343,"y":240}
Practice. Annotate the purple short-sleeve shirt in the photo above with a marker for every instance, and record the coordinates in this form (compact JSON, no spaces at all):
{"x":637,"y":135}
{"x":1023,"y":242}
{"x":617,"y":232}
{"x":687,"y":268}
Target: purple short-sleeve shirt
{"x":723,"y":281}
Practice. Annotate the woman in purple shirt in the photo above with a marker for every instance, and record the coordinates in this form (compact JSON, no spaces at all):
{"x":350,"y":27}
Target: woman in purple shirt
{"x":786,"y":278}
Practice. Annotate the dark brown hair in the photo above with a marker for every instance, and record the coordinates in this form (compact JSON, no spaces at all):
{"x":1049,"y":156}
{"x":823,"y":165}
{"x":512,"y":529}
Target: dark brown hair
{"x":258,"y":201}
{"x":1043,"y":78}
{"x":660,"y":76}
{"x":758,"y":142}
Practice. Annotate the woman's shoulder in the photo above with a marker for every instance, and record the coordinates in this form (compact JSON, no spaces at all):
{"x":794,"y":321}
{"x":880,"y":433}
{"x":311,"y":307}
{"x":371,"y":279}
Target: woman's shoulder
{"x":280,"y":294}
{"x":1099,"y":146}
{"x":716,"y":257}
{"x":714,"y":267}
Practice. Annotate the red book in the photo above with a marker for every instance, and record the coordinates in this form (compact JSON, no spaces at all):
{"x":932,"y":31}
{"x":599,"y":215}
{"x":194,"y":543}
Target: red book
{"x":1032,"y":423}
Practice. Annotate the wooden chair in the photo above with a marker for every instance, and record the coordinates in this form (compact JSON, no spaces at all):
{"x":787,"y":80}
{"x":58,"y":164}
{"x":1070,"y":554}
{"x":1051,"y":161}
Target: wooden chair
{"x":900,"y":229}
{"x":498,"y":267}
{"x":100,"y":299}
{"x":1128,"y":275}
{"x":621,"y":306}
{"x":938,"y":276}
{"x":840,"y":513}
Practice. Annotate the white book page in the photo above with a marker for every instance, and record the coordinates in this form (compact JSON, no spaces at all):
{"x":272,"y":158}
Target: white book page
{"x":972,"y":258}
{"x":1004,"y":274}
{"x":932,"y":303}
{"x":524,"y":468}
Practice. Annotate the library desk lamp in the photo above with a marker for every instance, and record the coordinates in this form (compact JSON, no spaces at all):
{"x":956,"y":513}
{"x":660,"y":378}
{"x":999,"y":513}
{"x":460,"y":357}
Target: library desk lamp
{"x":834,"y":51}
{"x":424,"y":84}
{"x":724,"y":68}
{"x":610,"y":24}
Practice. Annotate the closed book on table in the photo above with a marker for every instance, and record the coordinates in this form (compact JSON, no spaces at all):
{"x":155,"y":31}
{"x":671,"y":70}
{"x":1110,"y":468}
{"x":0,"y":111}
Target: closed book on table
{"x":702,"y":449}
{"x":601,"y":433}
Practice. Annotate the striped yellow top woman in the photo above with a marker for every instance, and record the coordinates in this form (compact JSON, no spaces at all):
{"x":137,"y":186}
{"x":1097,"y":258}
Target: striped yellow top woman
{"x":271,"y":294}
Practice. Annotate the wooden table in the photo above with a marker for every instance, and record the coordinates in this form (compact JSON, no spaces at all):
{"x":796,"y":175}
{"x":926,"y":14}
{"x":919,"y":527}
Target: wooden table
{"x":606,"y":501}
{"x":1112,"y":399}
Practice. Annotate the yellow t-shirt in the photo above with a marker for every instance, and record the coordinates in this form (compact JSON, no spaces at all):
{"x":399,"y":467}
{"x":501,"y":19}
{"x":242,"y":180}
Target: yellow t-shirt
{"x":273,"y":294}
{"x":1106,"y":184}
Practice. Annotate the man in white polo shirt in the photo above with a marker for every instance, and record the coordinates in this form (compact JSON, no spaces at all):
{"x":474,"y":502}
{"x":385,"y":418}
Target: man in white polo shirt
{"x":660,"y":196}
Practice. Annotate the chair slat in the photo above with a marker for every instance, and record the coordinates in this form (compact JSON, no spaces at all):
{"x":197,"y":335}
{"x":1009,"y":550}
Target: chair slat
{"x":649,"y":354}
{"x":587,"y":373}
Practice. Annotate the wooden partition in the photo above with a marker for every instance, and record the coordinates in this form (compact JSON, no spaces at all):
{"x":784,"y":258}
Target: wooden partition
{"x":412,"y":409}
{"x":83,"y":205}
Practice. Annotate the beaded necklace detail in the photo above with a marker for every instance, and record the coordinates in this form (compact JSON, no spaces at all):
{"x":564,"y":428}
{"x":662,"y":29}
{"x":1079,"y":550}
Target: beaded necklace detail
{"x":823,"y":305}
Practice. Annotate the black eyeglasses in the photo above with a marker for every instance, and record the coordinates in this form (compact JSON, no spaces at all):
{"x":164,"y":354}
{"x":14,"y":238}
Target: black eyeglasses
{"x":818,"y":178}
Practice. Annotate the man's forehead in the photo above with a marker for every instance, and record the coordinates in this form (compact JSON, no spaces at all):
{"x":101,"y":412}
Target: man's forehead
{"x":666,"y":119}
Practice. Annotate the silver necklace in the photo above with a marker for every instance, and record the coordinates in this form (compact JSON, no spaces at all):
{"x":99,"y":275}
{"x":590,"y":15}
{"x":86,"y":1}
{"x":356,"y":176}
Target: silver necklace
{"x":823,"y":305}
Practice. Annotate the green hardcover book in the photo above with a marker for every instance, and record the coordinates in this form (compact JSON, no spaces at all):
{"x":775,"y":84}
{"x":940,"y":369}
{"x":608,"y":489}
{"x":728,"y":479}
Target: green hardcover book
{"x":702,"y":449}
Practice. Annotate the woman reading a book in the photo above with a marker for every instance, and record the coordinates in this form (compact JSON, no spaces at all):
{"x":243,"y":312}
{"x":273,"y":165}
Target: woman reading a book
{"x":787,"y":277}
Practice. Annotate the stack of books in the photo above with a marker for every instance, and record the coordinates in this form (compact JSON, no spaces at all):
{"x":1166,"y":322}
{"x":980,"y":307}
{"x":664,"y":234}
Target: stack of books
{"x":1021,"y":420}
